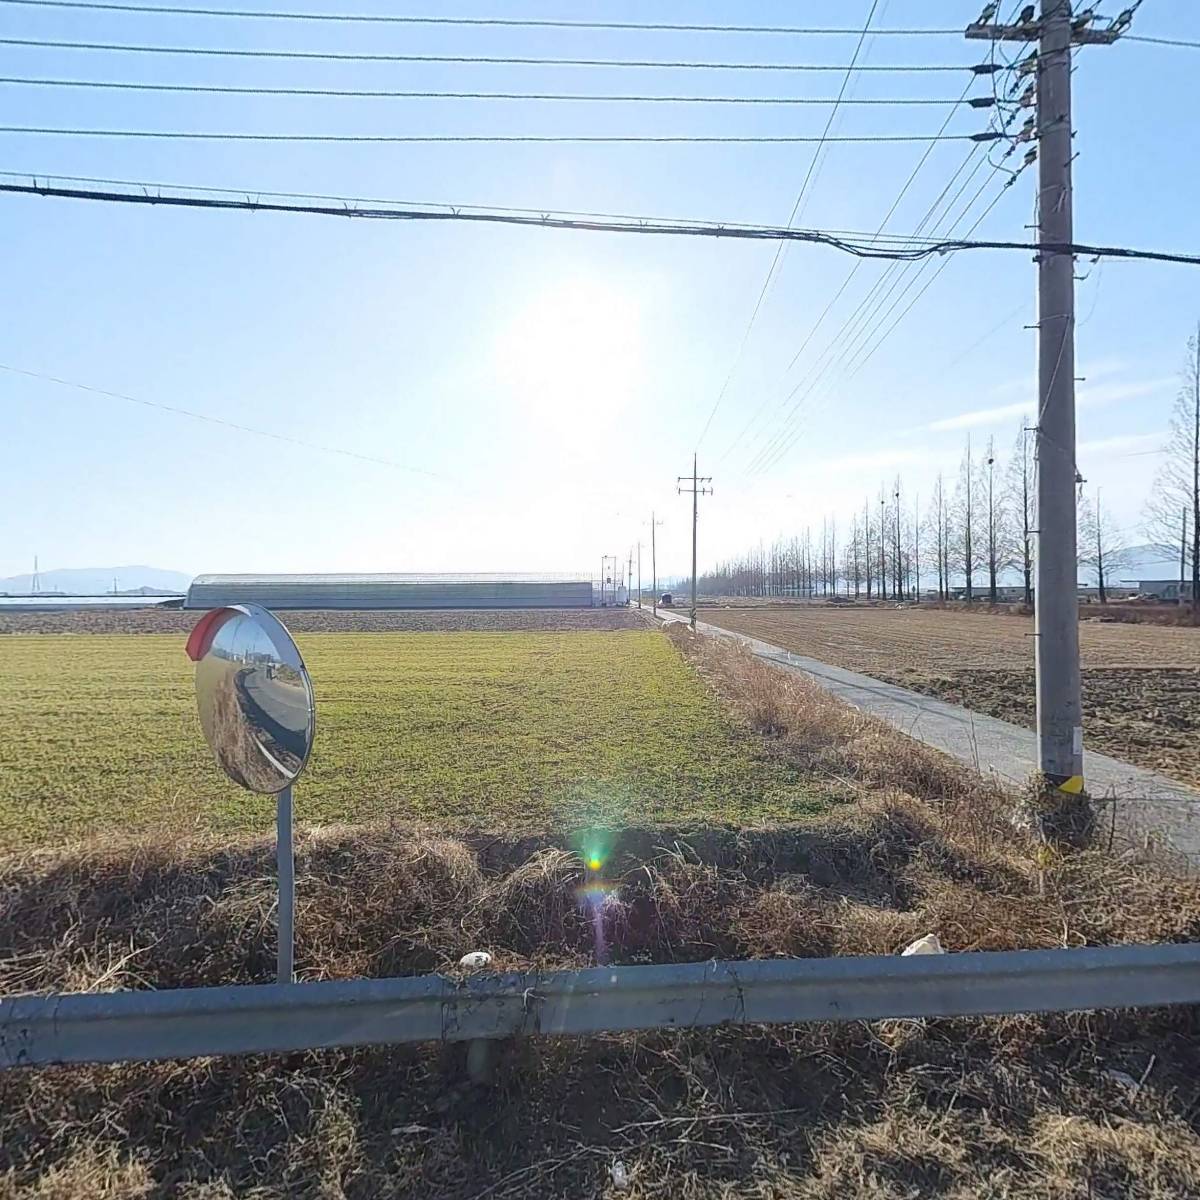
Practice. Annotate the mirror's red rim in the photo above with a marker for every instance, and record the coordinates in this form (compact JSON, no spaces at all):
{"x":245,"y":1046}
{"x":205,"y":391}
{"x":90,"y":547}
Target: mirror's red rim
{"x":203,"y":632}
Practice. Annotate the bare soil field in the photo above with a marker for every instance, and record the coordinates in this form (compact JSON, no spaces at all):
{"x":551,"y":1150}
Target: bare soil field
{"x":1141,"y":683}
{"x":175,"y":620}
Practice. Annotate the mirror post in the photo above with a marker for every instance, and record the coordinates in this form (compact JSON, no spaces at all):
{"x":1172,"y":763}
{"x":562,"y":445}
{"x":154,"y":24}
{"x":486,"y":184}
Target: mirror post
{"x":286,"y":862}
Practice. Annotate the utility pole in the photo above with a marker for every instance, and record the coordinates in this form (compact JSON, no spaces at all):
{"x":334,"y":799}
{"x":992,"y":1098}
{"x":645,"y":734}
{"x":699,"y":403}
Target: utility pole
{"x":1056,"y":607}
{"x":882,"y":542}
{"x":639,"y":573}
{"x":629,"y":577}
{"x":899,"y":588}
{"x":917,"y":547}
{"x":654,"y":524}
{"x":605,"y":559}
{"x":697,"y":487}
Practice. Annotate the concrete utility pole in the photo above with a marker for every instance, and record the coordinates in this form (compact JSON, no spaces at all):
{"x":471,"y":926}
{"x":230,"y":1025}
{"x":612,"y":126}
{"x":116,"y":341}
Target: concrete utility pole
{"x":899,"y":579}
{"x":654,"y":524}
{"x":629,"y":578}
{"x":605,"y":559}
{"x":882,"y":542}
{"x":698,"y":487}
{"x":639,"y":573}
{"x":1056,"y":607}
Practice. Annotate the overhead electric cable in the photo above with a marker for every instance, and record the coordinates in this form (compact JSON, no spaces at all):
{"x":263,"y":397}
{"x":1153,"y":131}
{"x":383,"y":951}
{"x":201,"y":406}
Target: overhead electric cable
{"x":144,"y":186}
{"x":779,"y":249}
{"x":918,"y":250}
{"x":790,"y":439}
{"x":1161,"y":41}
{"x":211,"y":420}
{"x":859,"y":323}
{"x":507,"y":22}
{"x":850,"y":275}
{"x":859,"y":320}
{"x":386,"y":94}
{"x":394,"y":138}
{"x":360,"y":56}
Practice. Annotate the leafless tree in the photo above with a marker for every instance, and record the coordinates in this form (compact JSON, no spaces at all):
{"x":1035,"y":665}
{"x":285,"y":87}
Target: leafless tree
{"x":882,"y":542}
{"x":916,"y":548}
{"x":999,"y":539}
{"x":1021,"y":488}
{"x":854,"y":558}
{"x":1101,"y":549}
{"x":936,"y":523}
{"x":1177,"y":485}
{"x":967,"y":558}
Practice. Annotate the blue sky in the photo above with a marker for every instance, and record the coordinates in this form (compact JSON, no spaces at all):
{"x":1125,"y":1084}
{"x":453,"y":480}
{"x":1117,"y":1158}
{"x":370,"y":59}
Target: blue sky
{"x":550,"y":385}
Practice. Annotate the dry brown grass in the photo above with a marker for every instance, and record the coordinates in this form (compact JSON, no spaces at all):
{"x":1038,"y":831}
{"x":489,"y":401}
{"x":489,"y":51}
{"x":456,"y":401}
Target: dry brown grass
{"x":999,"y":1108}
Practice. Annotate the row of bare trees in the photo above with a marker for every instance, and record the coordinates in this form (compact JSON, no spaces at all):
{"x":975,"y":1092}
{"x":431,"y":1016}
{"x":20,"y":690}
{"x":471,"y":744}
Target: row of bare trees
{"x":974,"y":531}
{"x":973,"y":534}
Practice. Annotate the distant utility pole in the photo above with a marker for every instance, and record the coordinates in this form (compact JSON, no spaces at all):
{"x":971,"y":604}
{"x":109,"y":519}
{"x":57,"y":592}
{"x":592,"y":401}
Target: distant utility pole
{"x":898,"y":578}
{"x":654,"y":524}
{"x":697,"y":486}
{"x":639,"y":572}
{"x":37,"y":583}
{"x":629,"y":578}
{"x":605,"y":559}
{"x":883,"y":538}
{"x":1056,"y":607}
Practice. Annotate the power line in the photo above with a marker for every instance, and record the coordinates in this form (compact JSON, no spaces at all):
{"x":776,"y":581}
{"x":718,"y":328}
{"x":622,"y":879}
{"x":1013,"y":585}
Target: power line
{"x":508,"y":22}
{"x":211,"y":420}
{"x":1161,"y":41}
{"x":781,"y":246}
{"x":392,"y":139}
{"x":347,"y":56}
{"x":853,"y":367}
{"x":853,"y":271}
{"x":919,"y":249}
{"x":858,"y":319}
{"x":858,"y":327}
{"x":370,"y":94}
{"x":360,"y":201}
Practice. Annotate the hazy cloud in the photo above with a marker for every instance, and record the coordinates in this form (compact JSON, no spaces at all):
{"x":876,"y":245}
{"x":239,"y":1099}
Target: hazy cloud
{"x":1086,"y":395}
{"x":983,"y":416}
{"x":1123,"y":443}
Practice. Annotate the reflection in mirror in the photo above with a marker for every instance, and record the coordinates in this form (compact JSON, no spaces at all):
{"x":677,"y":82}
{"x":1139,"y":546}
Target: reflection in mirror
{"x":255,"y":702}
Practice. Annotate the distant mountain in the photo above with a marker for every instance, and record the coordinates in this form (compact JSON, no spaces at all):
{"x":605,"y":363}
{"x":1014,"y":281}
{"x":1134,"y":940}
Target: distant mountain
{"x":1146,"y":562}
{"x":89,"y":581}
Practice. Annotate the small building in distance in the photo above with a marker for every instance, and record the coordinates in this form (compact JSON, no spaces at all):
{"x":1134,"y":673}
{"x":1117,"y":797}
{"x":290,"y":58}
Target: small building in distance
{"x":1171,"y":590}
{"x":396,"y":591}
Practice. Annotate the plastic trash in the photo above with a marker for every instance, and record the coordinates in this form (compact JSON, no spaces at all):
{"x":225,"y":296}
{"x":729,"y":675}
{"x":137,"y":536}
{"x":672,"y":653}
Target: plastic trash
{"x":929,"y":944}
{"x":620,"y":1176}
{"x":476,"y":960}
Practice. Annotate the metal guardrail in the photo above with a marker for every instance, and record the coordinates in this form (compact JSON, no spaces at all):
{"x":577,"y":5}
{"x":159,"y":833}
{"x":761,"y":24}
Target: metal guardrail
{"x":143,"y":1026}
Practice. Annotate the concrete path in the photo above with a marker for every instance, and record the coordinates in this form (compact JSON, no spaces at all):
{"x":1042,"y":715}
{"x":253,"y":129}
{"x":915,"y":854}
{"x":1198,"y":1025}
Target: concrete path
{"x":1145,"y":803}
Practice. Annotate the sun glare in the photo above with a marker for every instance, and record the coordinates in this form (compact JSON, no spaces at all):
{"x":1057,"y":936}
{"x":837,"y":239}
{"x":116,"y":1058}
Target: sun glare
{"x":572,"y":355}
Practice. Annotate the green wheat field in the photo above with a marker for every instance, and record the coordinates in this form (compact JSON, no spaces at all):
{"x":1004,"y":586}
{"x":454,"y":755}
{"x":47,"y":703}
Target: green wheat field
{"x":492,"y":731}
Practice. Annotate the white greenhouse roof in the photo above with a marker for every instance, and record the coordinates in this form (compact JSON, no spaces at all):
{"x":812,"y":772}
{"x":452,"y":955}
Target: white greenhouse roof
{"x":384,"y":579}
